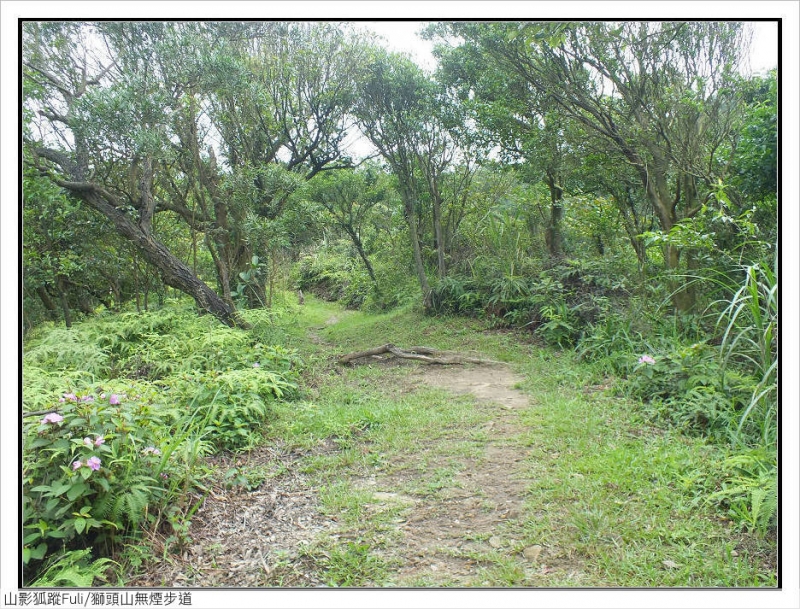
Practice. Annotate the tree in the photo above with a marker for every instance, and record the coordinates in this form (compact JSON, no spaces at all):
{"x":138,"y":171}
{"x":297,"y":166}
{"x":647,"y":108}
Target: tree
{"x":657,"y":93}
{"x":349,"y":197}
{"x":415,"y":128}
{"x":278,"y":97}
{"x":103,"y":136}
{"x":508,"y":114}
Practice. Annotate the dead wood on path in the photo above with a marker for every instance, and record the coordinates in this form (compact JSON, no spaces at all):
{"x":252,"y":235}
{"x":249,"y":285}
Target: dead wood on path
{"x":425,"y":355}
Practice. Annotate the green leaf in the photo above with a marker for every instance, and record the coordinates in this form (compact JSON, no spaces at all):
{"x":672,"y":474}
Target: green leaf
{"x":80,"y":525}
{"x":76,"y":491}
{"x":31,"y":537}
{"x":38,"y":442}
{"x":60,"y":488}
{"x":39,"y":552}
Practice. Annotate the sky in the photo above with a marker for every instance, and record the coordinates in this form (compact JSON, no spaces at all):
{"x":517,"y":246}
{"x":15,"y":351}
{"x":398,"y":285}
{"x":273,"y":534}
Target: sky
{"x":401,"y":36}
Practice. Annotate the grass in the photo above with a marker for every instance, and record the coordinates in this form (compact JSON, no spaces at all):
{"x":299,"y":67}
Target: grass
{"x":609,"y":499}
{"x":612,"y":501}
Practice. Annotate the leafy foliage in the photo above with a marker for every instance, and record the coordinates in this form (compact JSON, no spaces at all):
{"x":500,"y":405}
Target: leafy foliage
{"x":114,"y":452}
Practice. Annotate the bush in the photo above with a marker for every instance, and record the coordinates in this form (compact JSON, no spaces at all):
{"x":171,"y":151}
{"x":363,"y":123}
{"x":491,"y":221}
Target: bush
{"x":750,"y":490}
{"x":612,"y":341}
{"x":235,"y":403}
{"x":108,"y":456}
{"x":91,"y":467}
{"x":688,"y":388}
{"x":328,"y":271}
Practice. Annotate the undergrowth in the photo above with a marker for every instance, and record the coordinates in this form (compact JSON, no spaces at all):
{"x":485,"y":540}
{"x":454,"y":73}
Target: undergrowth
{"x":119,"y":411}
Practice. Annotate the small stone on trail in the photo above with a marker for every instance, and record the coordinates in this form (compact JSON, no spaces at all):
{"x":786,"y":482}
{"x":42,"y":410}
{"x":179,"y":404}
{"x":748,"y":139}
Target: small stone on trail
{"x":532,"y":553}
{"x":495,"y":542}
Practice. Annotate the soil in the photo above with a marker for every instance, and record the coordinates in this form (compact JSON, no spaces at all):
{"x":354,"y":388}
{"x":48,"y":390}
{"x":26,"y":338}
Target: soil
{"x":259,"y":537}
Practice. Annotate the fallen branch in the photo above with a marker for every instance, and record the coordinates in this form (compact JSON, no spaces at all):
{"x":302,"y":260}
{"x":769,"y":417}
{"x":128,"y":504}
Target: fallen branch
{"x":421,"y":354}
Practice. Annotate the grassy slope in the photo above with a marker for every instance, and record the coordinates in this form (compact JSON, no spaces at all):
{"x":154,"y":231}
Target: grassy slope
{"x":617,"y":502}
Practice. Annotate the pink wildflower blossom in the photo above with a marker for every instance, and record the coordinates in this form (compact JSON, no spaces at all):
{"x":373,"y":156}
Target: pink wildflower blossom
{"x":53,"y":417}
{"x":94,"y":463}
{"x":76,"y":465}
{"x":114,"y":399}
{"x":87,"y":442}
{"x":646,"y":359}
{"x":87,"y":398}
{"x":70,"y":397}
{"x":99,"y":440}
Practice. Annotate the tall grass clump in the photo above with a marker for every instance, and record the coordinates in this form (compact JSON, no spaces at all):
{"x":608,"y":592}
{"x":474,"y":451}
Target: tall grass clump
{"x":750,"y":340}
{"x":724,"y":389}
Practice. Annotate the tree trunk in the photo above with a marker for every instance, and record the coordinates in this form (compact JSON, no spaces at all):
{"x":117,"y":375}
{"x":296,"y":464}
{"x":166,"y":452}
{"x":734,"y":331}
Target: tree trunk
{"x":438,"y":232}
{"x":62,"y":298}
{"x":554,"y":237}
{"x":360,"y":249}
{"x":84,"y":304}
{"x":173,"y":271}
{"x":411,"y":219}
{"x":47,"y":301}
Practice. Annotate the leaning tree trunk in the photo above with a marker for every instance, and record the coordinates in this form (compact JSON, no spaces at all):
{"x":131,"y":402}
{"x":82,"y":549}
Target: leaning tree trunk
{"x":47,"y":301}
{"x":173,"y":271}
{"x":139,"y":232}
{"x":654,"y":180}
{"x":356,"y":239}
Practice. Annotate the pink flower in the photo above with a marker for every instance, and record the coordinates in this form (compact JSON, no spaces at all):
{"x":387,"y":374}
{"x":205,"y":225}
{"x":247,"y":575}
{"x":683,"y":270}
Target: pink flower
{"x":256,"y":365}
{"x":70,"y":397}
{"x":99,"y":440}
{"x":151,"y":450}
{"x":646,"y":359}
{"x":76,"y":465}
{"x":113,"y":399}
{"x":87,"y":442}
{"x":87,"y":398}
{"x":94,"y":463}
{"x":53,"y":417}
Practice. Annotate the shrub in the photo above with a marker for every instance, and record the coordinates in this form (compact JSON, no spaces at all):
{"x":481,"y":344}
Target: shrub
{"x":327,"y":271}
{"x":115,"y":455}
{"x":688,"y":388}
{"x":90,"y":469}
{"x":236,"y":403}
{"x":613,"y":341}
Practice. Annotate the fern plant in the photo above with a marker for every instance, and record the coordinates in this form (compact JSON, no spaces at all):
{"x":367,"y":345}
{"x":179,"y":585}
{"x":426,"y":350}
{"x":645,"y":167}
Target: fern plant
{"x":750,"y":490}
{"x":73,"y":569}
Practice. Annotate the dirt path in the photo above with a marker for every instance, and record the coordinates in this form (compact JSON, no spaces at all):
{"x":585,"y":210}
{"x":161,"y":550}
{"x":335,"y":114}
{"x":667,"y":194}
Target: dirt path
{"x":440,"y":538}
{"x":256,"y":537}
